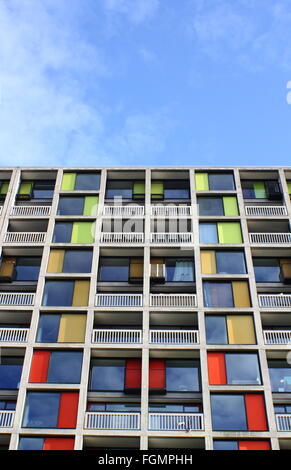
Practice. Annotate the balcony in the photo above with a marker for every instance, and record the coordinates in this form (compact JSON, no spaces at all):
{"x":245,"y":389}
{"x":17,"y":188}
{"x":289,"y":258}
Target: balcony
{"x":174,"y":336}
{"x":16,"y":299}
{"x":24,"y":237}
{"x":123,"y":211}
{"x":14,"y":335}
{"x":176,"y":421}
{"x":265,"y":211}
{"x":170,"y":211}
{"x":173,"y":300}
{"x":283,"y":422}
{"x":274,"y":300}
{"x":31,"y":211}
{"x":121,"y":237}
{"x":277,"y":337}
{"x":103,"y":420}
{"x":118,"y":300}
{"x":171,"y":237}
{"x":113,"y":336}
{"x":270,"y":238}
{"x":6,"y":418}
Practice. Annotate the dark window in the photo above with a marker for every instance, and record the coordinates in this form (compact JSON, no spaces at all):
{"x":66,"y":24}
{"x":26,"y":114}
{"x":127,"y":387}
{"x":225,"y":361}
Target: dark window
{"x":7,"y":405}
{"x":228,"y":413}
{"x":218,"y":294}
{"x":114,"y":269}
{"x":267,"y":269}
{"x":119,"y":188}
{"x":225,"y":445}
{"x":27,"y":269}
{"x":43,"y":189}
{"x":65,"y":367}
{"x":30,"y":443}
{"x":210,"y":206}
{"x":71,"y":205}
{"x":107,"y":374}
{"x":87,"y":181}
{"x":176,"y":189}
{"x":182,"y":376}
{"x":280,"y":376}
{"x":41,"y":410}
{"x":221,"y":181}
{"x":208,"y":233}
{"x":58,"y":293}
{"x":242,"y":369}
{"x":62,"y":232}
{"x":282,"y":409}
{"x":216,"y":329}
{"x":48,"y":328}
{"x":121,"y":407}
{"x":10,"y":372}
{"x":179,"y":270}
{"x":174,"y":408}
{"x":230,"y":262}
{"x":253,"y":189}
{"x":77,"y":261}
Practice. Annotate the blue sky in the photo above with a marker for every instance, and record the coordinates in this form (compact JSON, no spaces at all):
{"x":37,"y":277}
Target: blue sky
{"x":145,"y":82}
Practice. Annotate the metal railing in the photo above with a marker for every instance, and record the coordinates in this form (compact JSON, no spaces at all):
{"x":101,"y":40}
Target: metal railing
{"x":122,"y":237}
{"x":6,"y":418}
{"x":173,"y":300}
{"x":270,"y":238}
{"x":123,"y":211}
{"x":16,"y":299}
{"x":16,"y":335}
{"x":176,"y":421}
{"x":31,"y":211}
{"x":170,"y":211}
{"x":172,"y":237}
{"x":104,"y":420}
{"x":274,"y":300}
{"x":283,"y":422}
{"x":277,"y":336}
{"x":114,"y":336}
{"x":262,"y":211}
{"x":24,"y":237}
{"x":118,"y":300}
{"x":174,"y":336}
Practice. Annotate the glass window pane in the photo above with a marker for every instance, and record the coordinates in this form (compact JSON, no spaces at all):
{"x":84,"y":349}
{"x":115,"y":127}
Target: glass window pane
{"x":216,"y":329}
{"x":77,"y":261}
{"x":210,"y":206}
{"x":280,"y":376}
{"x":221,"y":181}
{"x":27,"y":269}
{"x":10,"y":375}
{"x":121,"y":189}
{"x":218,"y":294}
{"x":123,"y":407}
{"x":242,"y":369}
{"x":114,"y":269}
{"x":225,"y":445}
{"x":108,"y":375}
{"x":65,"y":367}
{"x":48,"y":328}
{"x":176,"y":189}
{"x":208,"y":233}
{"x":267,"y":269}
{"x":179,"y":270}
{"x":58,"y":293}
{"x":87,"y":181}
{"x":228,"y":413}
{"x":31,"y":443}
{"x":41,"y":410}
{"x":230,"y":262}
{"x":62,"y":232}
{"x":43,"y":189}
{"x":71,"y":206}
{"x":182,"y":376}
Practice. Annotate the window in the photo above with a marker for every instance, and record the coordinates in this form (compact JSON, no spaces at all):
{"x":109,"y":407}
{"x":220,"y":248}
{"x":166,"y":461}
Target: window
{"x":250,"y":444}
{"x":242,"y":369}
{"x":174,"y":408}
{"x":43,"y":189}
{"x":10,"y":372}
{"x":267,"y":269}
{"x":225,"y":445}
{"x":77,"y":261}
{"x":210,"y":206}
{"x":228,"y":413}
{"x":114,"y":269}
{"x":74,"y":232}
{"x":107,"y":375}
{"x":27,"y":268}
{"x":214,"y":181}
{"x":31,"y":443}
{"x":119,"y":188}
{"x":230,"y":262}
{"x":66,"y":293}
{"x":46,"y":443}
{"x":280,"y":375}
{"x":179,"y":270}
{"x":7,"y":405}
{"x":282,"y":409}
{"x":81,"y":182}
{"x":62,"y":367}
{"x":121,"y":407}
{"x":208,"y":233}
{"x":86,"y":206}
{"x":61,"y":328}
{"x":226,"y":294}
{"x":62,"y":232}
{"x":220,"y":232}
{"x":230,"y":329}
{"x":216,"y":329}
{"x":182,"y":376}
{"x":48,"y":328}
{"x":254,"y":189}
{"x":178,"y":189}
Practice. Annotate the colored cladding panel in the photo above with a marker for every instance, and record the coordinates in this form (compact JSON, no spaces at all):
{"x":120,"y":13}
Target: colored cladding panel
{"x":216,"y":369}
{"x":259,"y":189}
{"x":25,"y":188}
{"x":256,"y":414}
{"x":83,"y":232}
{"x":39,"y":366}
{"x":91,"y":206}
{"x":208,"y":262}
{"x":285,"y":265}
{"x":230,"y":206}
{"x":136,"y":269}
{"x":289,"y":186}
{"x":229,"y":232}
{"x":139,"y":190}
{"x":241,"y":295}
{"x":56,"y":261}
{"x":7,"y":268}
{"x":69,"y":181}
{"x":68,"y":410}
{"x":59,"y":443}
{"x":4,"y":188}
{"x":157,"y":374}
{"x":157,"y":190}
{"x":240,"y":329}
{"x":254,"y":445}
{"x":201,"y":180}
{"x":133,"y":375}
{"x":81,"y":293}
{"x":72,"y":328}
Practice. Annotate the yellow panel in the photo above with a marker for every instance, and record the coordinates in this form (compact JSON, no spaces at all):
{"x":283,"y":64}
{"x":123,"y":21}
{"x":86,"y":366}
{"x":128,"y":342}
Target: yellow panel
{"x":81,"y":293}
{"x":208,"y":262}
{"x":136,"y":268}
{"x":241,"y":295}
{"x":7,"y":268}
{"x":240,"y":329}
{"x":285,"y":265}
{"x":72,"y":328}
{"x":56,"y":261}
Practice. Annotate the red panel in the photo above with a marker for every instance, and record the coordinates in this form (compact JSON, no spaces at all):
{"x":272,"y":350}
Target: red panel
{"x":59,"y":443}
{"x":39,"y":366}
{"x":68,"y":410}
{"x":157,"y":374}
{"x":254,"y":445}
{"x":133,"y":375}
{"x":216,"y":369}
{"x":256,"y":414}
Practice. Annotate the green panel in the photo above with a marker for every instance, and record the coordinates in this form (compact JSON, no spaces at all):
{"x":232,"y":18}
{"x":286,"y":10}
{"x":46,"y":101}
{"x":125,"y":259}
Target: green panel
{"x":201,"y":180}
{"x":157,"y":189}
{"x":289,"y":186}
{"x":139,"y":189}
{"x":229,"y":232}
{"x":91,"y":205}
{"x":4,"y":188}
{"x":230,"y":206}
{"x":83,"y":232}
{"x":68,"y":183}
{"x":26,"y":188}
{"x":259,"y":188}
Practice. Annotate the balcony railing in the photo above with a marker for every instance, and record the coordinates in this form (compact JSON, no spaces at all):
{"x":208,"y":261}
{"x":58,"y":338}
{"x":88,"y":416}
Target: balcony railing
{"x":123,"y":211}
{"x":176,"y":421}
{"x":270,"y":238}
{"x":274,"y":300}
{"x":31,"y":211}
{"x":174,"y":336}
{"x":283,"y":422}
{"x":24,"y":237}
{"x":277,"y":337}
{"x":103,"y":420}
{"x":14,"y":335}
{"x":262,"y":211}
{"x":122,"y":237}
{"x":118,"y":300}
{"x":117,"y":336}
{"x":170,"y":211}
{"x":172,"y":237}
{"x":6,"y":418}
{"x":16,"y":299}
{"x":173,"y":300}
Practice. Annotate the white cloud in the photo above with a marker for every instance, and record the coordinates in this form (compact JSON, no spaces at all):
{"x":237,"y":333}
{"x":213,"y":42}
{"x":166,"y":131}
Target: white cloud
{"x":136,"y":11}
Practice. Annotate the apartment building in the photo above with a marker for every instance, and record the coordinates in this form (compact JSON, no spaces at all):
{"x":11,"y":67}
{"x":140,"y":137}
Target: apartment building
{"x":145,"y":308}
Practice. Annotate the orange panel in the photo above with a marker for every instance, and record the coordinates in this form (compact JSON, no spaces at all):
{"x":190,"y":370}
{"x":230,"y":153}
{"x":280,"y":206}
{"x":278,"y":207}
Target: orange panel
{"x":59,"y":443}
{"x":68,"y":410}
{"x":256,"y":414}
{"x":216,"y":369}
{"x":133,"y":374}
{"x":254,"y":445}
{"x":39,"y":366}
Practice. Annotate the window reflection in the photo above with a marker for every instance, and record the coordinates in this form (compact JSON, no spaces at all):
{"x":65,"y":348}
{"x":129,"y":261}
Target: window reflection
{"x":182,"y":376}
{"x":228,"y":413}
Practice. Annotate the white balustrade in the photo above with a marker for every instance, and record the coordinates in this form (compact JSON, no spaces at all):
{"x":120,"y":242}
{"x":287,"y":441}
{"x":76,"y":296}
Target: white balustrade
{"x":122,"y":237}
{"x":277,"y":337}
{"x":24,"y":237}
{"x":104,"y":420}
{"x":118,"y":300}
{"x":6,"y":418}
{"x":274,"y":300}
{"x":262,"y":211}
{"x":123,"y":211}
{"x":173,"y":300}
{"x":16,"y":335}
{"x":31,"y":211}
{"x":170,"y":211}
{"x":176,"y":421}
{"x":16,"y":299}
{"x":283,"y":422}
{"x":114,"y":336}
{"x":174,"y":336}
{"x":172,"y":237}
{"x":270,"y":238}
